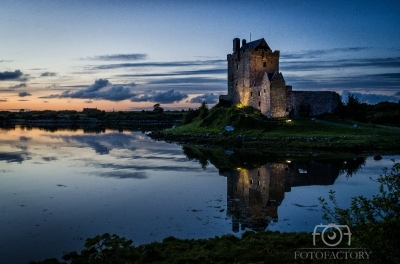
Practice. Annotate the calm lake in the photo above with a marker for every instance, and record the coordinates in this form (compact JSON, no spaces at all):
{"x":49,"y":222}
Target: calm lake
{"x":61,"y":186}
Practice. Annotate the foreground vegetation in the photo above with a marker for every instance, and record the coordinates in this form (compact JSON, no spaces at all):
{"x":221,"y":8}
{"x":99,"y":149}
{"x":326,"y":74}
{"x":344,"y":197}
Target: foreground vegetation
{"x":374,"y":223}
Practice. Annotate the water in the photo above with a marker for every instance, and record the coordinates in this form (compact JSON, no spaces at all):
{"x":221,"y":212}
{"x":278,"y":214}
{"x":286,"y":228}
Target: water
{"x":59,"y":187}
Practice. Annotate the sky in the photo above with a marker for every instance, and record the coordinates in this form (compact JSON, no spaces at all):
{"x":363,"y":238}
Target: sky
{"x":129,"y":55}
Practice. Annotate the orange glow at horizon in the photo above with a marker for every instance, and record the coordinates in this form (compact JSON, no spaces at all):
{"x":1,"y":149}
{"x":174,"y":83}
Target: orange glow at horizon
{"x":79,"y":104}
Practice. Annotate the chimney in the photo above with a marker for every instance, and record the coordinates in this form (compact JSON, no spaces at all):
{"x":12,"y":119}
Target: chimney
{"x":236,"y":44}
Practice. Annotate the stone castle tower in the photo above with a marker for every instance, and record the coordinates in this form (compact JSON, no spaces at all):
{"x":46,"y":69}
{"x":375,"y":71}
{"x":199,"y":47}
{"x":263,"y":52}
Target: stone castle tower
{"x":254,"y":80}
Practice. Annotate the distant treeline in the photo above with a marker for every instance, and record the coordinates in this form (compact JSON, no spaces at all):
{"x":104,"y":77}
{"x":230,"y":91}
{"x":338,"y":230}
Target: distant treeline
{"x":92,"y":115}
{"x":384,"y":113}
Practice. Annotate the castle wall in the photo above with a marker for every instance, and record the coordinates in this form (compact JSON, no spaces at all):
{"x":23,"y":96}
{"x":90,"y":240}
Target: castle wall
{"x":309,"y":103}
{"x":278,"y":97}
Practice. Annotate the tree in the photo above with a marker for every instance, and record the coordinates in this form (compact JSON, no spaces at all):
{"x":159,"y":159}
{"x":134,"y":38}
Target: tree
{"x":374,"y":222}
{"x":158,"y":109}
{"x":203,"y":110}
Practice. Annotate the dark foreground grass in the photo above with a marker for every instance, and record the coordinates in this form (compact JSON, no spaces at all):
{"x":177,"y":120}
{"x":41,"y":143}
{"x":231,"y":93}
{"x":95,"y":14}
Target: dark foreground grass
{"x":252,"y":247}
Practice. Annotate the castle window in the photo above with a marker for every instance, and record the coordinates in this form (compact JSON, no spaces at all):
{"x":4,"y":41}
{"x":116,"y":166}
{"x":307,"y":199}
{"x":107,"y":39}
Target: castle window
{"x":259,"y":183}
{"x":264,"y":64}
{"x":258,"y":173}
{"x":264,"y":90}
{"x":259,"y":93}
{"x":237,"y":65}
{"x":259,"y":103}
{"x":251,"y":94}
{"x":251,"y":181}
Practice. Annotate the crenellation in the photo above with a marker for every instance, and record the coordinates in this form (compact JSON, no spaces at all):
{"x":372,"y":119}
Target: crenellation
{"x":254,"y":80}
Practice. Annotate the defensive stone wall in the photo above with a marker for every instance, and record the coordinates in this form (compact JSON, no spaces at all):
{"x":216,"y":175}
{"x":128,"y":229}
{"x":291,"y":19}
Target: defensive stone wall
{"x":309,"y":103}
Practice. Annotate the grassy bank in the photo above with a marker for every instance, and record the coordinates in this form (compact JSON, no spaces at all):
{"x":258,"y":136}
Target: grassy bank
{"x":254,"y":130}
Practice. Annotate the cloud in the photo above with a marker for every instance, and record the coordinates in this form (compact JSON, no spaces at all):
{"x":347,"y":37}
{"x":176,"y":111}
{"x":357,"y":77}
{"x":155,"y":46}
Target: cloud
{"x":23,"y":94}
{"x":188,"y":80}
{"x":194,"y":72}
{"x":367,"y":81}
{"x":48,"y":74}
{"x":51,"y":96}
{"x":18,"y":86}
{"x":169,"y":96}
{"x":24,"y":139}
{"x":88,"y":102}
{"x":306,"y":54}
{"x":124,"y":174}
{"x":120,"y":57}
{"x":49,"y":158}
{"x":312,"y":65}
{"x":372,"y":98}
{"x":209,"y":98}
{"x":5,"y":60}
{"x":397,"y":94}
{"x":97,"y":91}
{"x":23,"y":100}
{"x":15,"y":75}
{"x":3,"y":100}
{"x":159,"y":64}
{"x":53,"y":87}
{"x":14,"y":156}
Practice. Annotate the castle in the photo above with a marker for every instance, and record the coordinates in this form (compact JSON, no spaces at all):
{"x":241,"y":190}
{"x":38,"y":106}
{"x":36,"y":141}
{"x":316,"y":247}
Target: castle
{"x":254,"y":80}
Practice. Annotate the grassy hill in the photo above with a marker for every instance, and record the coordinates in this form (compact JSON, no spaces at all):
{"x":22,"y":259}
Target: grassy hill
{"x":253,"y":130}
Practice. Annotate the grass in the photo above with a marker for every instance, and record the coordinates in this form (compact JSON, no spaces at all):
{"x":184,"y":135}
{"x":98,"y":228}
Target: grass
{"x":254,"y":130}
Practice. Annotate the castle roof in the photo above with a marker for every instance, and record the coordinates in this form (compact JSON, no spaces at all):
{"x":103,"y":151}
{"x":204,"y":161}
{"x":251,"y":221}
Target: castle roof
{"x":256,"y":44}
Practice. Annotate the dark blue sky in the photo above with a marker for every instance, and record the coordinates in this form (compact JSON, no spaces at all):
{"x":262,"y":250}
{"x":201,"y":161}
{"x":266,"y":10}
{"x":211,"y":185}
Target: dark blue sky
{"x":53,"y":52}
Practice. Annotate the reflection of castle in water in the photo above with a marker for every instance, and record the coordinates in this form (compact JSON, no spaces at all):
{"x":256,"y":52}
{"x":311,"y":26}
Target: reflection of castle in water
{"x":254,"y":195}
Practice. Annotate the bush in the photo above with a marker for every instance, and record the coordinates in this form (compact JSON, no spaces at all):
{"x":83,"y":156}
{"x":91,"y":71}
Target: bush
{"x":374,"y":222}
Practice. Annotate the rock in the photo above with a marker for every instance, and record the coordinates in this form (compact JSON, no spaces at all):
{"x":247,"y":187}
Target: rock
{"x":229,"y":152}
{"x":229,"y":128}
{"x":377,"y":157}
